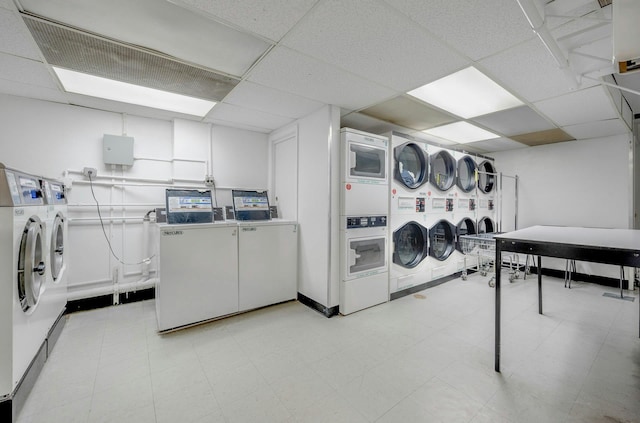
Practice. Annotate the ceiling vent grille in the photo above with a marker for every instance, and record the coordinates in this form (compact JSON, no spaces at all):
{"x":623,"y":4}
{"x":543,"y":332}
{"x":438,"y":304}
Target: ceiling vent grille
{"x":87,"y":53}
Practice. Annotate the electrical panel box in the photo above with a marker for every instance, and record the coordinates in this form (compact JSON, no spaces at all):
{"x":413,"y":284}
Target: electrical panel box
{"x":117,"y":150}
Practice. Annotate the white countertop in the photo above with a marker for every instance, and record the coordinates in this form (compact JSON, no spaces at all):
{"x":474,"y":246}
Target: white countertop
{"x":627,"y":239}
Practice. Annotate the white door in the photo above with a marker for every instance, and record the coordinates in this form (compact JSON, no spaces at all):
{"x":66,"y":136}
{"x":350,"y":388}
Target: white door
{"x":285,"y":181}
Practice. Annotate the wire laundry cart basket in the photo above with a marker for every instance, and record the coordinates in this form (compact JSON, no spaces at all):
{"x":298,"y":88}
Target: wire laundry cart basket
{"x":482,"y":248}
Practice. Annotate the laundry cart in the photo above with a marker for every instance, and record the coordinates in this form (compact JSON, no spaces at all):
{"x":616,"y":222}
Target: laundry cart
{"x":481,"y":249}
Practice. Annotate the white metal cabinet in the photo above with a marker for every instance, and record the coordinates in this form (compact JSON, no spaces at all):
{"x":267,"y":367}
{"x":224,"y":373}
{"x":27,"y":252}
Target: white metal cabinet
{"x":268,"y":254}
{"x":198,"y":273}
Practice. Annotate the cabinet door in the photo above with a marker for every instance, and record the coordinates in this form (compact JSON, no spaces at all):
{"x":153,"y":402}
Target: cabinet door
{"x":198,"y":275}
{"x":268,"y":262}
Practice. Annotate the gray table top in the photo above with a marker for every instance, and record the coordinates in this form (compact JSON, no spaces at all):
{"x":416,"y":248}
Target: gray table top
{"x":623,"y":239}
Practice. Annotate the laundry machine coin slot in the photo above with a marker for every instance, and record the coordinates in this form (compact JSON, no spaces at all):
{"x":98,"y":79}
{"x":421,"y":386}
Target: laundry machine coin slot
{"x":466,"y":178}
{"x":442,"y":240}
{"x":449,"y":204}
{"x":486,"y":226}
{"x":443,"y":170}
{"x":410,"y":245}
{"x":466,"y":227}
{"x":411,"y":165}
{"x":420,"y":204}
{"x":486,"y":176}
{"x":31,"y":266}
{"x":472,"y":204}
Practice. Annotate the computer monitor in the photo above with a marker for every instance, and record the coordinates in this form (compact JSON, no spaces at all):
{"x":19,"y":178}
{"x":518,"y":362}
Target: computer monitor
{"x":189,"y":206}
{"x":251,"y":205}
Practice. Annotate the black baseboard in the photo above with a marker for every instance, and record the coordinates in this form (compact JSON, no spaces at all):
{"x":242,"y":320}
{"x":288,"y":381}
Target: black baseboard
{"x":107,"y":300}
{"x":55,"y":332}
{"x":324,"y":310}
{"x":423,"y":286}
{"x":11,"y":406}
{"x":583,"y":277}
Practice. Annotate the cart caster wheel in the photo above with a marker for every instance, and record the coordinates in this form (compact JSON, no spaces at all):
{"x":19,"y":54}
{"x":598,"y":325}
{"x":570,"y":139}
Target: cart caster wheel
{"x":511,"y":279}
{"x":464,"y":278}
{"x":483,"y":273}
{"x":517,"y":275}
{"x":491,"y":283}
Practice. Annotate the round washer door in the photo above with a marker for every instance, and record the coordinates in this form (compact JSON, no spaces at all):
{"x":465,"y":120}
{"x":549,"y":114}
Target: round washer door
{"x":466,"y":178}
{"x":31,"y":267}
{"x":486,"y":177}
{"x":442,"y":238}
{"x":443,"y":170}
{"x":411,"y":165}
{"x":486,"y":226}
{"x":57,"y":247}
{"x":465,"y":227}
{"x":410,"y":245}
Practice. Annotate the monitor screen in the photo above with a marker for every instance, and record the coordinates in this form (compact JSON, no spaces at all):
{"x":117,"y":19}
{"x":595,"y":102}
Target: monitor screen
{"x":189,"y":206}
{"x":251,"y":205}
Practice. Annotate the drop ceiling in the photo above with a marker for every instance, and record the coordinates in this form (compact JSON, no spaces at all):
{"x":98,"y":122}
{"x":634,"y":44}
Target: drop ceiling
{"x":283,"y":59}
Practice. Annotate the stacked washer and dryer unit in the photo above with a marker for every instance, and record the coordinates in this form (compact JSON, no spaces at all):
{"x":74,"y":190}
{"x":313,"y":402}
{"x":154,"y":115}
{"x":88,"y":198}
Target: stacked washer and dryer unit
{"x":434,"y":199}
{"x":31,"y":301}
{"x":364,"y":211}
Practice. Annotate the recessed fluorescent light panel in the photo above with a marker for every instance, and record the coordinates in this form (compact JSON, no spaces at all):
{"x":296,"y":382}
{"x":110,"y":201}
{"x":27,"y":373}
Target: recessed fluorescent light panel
{"x":467,"y":93}
{"x":95,"y":86}
{"x":461,"y":132}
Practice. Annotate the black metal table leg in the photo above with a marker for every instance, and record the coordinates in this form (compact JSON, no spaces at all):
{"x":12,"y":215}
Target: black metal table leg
{"x":539,"y":284}
{"x":497,"y":316}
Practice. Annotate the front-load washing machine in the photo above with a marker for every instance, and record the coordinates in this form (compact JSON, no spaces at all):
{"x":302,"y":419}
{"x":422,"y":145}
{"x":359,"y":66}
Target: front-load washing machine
{"x":24,"y":325}
{"x":56,"y":236}
{"x":486,"y":225}
{"x":442,"y":245}
{"x":364,"y":270}
{"x":409,"y":250}
{"x":364,"y":174}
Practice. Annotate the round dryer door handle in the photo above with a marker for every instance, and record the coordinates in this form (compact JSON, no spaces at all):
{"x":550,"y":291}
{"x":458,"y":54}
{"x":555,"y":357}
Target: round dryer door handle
{"x":40,"y":268}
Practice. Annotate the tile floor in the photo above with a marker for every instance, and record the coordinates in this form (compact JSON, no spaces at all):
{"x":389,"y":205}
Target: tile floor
{"x":415,"y":359}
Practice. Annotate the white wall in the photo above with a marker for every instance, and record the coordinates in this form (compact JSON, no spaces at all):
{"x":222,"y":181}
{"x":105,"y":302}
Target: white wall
{"x":578,"y":183}
{"x":318,"y":156}
{"x":49,"y":139}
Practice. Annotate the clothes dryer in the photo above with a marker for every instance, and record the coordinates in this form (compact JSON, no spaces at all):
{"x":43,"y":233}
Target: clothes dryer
{"x":409,"y":164}
{"x":365,"y":174}
{"x":486,"y":225}
{"x":442,"y":178}
{"x":23,"y":323}
{"x":409,"y":251}
{"x":443,"y":259}
{"x":487,"y":188}
{"x":55,"y":298}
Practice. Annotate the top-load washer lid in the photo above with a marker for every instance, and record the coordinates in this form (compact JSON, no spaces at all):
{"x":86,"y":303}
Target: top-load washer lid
{"x":57,"y":247}
{"x":443,"y":170}
{"x":410,"y":245}
{"x":486,"y":176}
{"x":442,"y":238}
{"x":411,"y":165}
{"x":466,"y":178}
{"x":486,"y":226}
{"x":31,"y":267}
{"x":465,"y":227}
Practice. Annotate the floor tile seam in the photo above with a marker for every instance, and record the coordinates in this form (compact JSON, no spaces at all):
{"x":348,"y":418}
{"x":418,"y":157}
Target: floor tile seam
{"x":213,"y":392}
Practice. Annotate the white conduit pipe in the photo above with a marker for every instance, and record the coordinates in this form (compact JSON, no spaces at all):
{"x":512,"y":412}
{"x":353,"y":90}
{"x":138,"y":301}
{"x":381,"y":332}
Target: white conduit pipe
{"x":108,"y":290}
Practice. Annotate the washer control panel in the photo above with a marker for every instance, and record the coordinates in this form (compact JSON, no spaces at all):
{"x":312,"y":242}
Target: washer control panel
{"x":366,"y":222}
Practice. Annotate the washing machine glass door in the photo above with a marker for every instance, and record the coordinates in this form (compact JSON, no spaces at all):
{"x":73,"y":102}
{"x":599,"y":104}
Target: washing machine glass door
{"x":466,"y":173}
{"x":57,"y":247}
{"x":367,"y":161}
{"x":412,"y":166}
{"x":442,"y":237}
{"x":410,"y":245}
{"x":443,"y":170}
{"x":31,"y":267}
{"x":465,"y":227}
{"x":486,"y":226}
{"x":366,"y":254}
{"x":486,"y":177}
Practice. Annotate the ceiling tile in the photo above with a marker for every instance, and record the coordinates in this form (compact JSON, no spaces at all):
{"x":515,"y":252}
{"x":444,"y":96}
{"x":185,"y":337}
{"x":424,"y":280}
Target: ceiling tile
{"x":476,"y":28}
{"x":7,"y":4}
{"x":597,"y":129}
{"x":543,"y":137}
{"x":514,"y":121}
{"x":14,"y":68}
{"x":290,"y":71}
{"x":245,"y":116}
{"x":271,"y":19}
{"x":371,"y":39}
{"x":498,"y":144}
{"x":160,"y":26}
{"x":238,"y":125}
{"x":265,"y":99}
{"x":528,"y":70}
{"x":31,"y":91}
{"x":588,"y":105}
{"x":15,"y":38}
{"x":405,"y":111}
{"x":369,"y":124}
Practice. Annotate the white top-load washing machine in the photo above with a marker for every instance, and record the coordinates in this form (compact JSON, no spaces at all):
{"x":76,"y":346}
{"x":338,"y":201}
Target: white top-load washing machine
{"x":56,"y":225}
{"x":23,"y":266}
{"x":364,"y":210}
